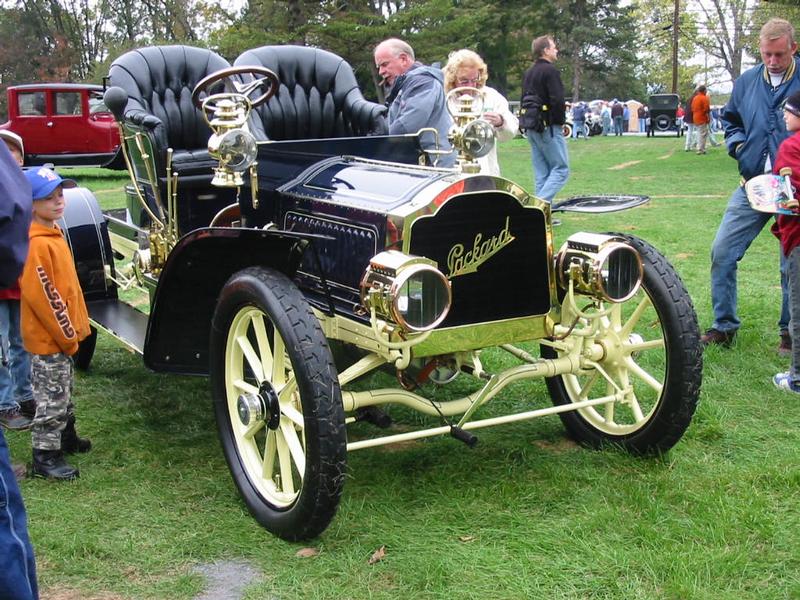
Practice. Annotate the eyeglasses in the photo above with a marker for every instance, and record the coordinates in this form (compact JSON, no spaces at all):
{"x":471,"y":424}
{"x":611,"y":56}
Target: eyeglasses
{"x":792,"y":109}
{"x":469,"y":82}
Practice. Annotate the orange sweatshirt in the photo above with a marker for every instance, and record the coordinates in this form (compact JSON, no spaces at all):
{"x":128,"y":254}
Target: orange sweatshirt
{"x":53,"y":314}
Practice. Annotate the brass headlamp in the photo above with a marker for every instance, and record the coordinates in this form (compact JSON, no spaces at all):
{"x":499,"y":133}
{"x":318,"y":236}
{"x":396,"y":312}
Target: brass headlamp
{"x":407,"y":290}
{"x":603,"y":266}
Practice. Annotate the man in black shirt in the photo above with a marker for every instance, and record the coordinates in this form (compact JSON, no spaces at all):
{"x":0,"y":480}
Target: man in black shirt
{"x":548,"y":147}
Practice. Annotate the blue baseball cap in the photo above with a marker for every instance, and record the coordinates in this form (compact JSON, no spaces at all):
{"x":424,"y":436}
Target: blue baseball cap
{"x":43,"y":181}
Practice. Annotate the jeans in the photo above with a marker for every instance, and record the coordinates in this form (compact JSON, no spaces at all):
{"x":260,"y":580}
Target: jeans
{"x":739,"y":227}
{"x":15,"y":379}
{"x":17,"y":565}
{"x":617,"y":125}
{"x":577,"y":128}
{"x":793,"y":276}
{"x":550,"y":161}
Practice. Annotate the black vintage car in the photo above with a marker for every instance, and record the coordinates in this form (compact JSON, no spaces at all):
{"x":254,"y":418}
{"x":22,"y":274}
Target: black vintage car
{"x":274,"y":225}
{"x":663,"y":113}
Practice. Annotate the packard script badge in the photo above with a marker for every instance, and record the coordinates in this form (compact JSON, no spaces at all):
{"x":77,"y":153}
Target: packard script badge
{"x":461,"y":261}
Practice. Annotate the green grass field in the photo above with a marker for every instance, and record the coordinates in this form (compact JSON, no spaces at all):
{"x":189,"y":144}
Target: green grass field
{"x":526,"y":514}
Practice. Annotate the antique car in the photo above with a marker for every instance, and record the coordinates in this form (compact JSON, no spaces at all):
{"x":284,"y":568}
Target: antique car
{"x":290,"y":248}
{"x":64,"y":124}
{"x":663,"y":113}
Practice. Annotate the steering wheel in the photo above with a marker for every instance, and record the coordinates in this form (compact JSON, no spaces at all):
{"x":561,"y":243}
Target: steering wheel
{"x":263,"y":77}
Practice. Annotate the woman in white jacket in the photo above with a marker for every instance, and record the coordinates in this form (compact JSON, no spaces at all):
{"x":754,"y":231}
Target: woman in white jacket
{"x":466,"y":68}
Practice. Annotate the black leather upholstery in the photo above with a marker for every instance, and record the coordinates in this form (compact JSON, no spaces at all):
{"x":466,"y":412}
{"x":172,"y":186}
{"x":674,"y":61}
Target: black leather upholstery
{"x":318,"y":96}
{"x":159,"y":81}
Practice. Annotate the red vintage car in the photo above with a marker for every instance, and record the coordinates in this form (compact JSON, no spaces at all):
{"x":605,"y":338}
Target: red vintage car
{"x":65,"y":124}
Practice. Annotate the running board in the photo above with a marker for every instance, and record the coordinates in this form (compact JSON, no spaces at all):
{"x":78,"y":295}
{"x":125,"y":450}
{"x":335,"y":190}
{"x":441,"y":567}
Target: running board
{"x":120,"y":320}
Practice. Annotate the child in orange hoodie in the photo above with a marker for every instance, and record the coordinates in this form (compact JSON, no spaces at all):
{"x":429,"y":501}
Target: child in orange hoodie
{"x":54,"y":321}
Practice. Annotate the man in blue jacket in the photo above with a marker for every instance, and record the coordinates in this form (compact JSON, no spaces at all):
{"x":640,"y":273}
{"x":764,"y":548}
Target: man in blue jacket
{"x":754,"y":128}
{"x":416,"y":97}
{"x":17,"y":566}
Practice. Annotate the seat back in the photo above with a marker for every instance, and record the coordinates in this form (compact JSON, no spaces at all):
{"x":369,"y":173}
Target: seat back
{"x":159,"y":81}
{"x":318,"y":96}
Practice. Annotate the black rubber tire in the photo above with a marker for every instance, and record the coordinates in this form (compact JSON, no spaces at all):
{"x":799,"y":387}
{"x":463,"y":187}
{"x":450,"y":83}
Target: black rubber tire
{"x":258,"y":293}
{"x":671,"y":316}
{"x":83,"y":357}
{"x":662,"y":123}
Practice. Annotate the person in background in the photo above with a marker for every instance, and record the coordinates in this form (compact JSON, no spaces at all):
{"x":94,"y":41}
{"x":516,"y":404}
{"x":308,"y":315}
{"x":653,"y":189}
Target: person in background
{"x":416,"y":98}
{"x":690,"y":143}
{"x":16,"y":395}
{"x":752,"y":136}
{"x":787,"y":229}
{"x":466,"y":68}
{"x":548,"y":147}
{"x":17,"y":562}
{"x":626,"y":118}
{"x":605,"y":115}
{"x":579,"y":120}
{"x":54,"y":321}
{"x":642,"y":115}
{"x":701,"y":115}
{"x":616,"y":115}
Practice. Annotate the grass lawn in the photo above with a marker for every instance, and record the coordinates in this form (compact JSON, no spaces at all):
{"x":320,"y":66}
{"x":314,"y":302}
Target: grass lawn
{"x":526,"y":514}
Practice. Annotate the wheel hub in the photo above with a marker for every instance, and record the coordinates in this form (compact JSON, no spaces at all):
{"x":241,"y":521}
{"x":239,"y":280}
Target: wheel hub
{"x":263,"y":406}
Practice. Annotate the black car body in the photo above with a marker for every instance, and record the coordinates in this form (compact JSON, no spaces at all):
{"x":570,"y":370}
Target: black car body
{"x":664,"y":113}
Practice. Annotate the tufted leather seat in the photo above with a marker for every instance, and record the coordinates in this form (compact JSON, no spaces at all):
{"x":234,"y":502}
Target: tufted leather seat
{"x":318,"y":96}
{"x":159,"y":81}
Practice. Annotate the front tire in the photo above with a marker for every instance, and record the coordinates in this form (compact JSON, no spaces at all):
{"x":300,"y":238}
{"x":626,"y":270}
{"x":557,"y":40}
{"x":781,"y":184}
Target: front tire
{"x":277,"y":404}
{"x":653,"y":348}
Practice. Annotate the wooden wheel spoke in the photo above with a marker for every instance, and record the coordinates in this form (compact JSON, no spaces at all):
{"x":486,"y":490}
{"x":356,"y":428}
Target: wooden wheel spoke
{"x":269,"y":456}
{"x":294,"y":415}
{"x":609,"y":412}
{"x":279,"y":360}
{"x":244,"y":386}
{"x":264,"y":349}
{"x":586,"y":388}
{"x":647,"y":345}
{"x":253,"y":429}
{"x":639,"y":372}
{"x":284,"y":463}
{"x":294,"y":445}
{"x":637,"y":313}
{"x":250,"y":356}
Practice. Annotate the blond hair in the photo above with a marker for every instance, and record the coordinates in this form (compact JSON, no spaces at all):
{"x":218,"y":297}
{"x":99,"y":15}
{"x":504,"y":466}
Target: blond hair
{"x":777,"y":28}
{"x":460,"y":59}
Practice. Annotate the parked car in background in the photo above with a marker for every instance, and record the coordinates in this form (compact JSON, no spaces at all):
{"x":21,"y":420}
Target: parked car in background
{"x":663,"y":113}
{"x":65,"y":124}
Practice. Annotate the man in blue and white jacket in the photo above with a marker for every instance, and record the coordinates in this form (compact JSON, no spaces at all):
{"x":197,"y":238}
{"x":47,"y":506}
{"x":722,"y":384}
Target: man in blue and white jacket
{"x":17,"y":565}
{"x":416,"y":97}
{"x":754,"y":128}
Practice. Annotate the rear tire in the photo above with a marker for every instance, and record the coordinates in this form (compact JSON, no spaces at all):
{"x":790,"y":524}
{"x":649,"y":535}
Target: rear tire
{"x":653,"y":347}
{"x":83,"y":357}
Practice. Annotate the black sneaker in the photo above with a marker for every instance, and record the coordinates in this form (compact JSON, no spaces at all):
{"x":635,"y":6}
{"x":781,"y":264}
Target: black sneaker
{"x":28,"y":408}
{"x":718,"y":338}
{"x":785,"y":347}
{"x":14,"y":419}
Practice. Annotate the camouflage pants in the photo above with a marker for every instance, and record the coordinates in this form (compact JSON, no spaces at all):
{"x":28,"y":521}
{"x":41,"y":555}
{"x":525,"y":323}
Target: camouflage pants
{"x":51,"y":376}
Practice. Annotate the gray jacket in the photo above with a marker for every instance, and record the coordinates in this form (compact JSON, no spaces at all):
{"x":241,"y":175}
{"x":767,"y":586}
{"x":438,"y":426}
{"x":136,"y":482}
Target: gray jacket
{"x":416,"y":101}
